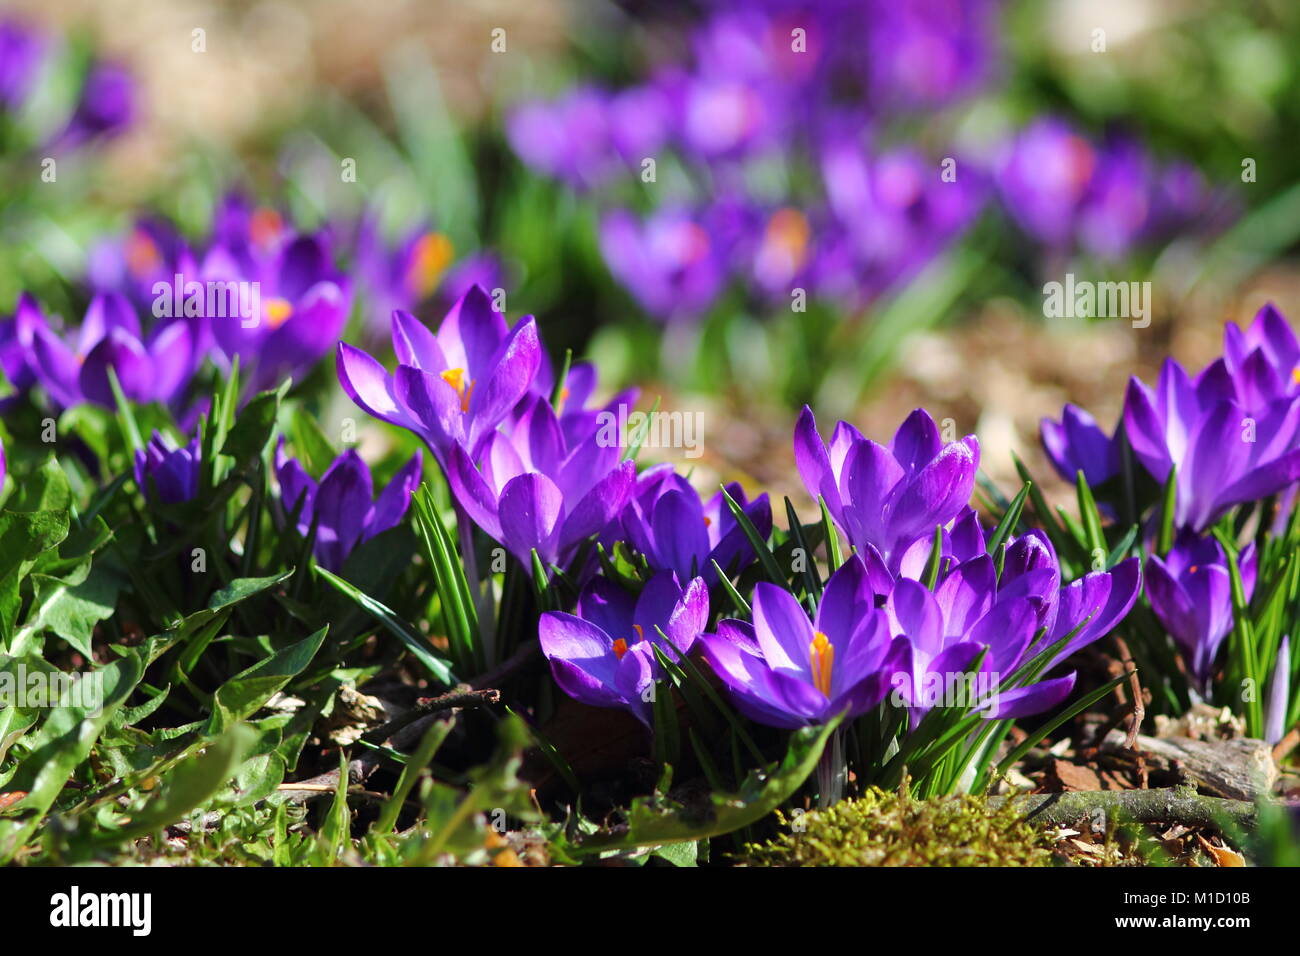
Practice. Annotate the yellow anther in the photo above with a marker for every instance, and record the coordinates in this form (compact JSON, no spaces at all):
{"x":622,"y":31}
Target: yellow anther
{"x":455,"y":377}
{"x":277,"y":312}
{"x":821,"y":655}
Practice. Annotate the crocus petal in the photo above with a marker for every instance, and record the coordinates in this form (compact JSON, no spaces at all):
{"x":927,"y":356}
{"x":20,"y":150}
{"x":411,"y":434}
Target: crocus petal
{"x":814,"y":464}
{"x":916,"y":442}
{"x":512,"y":371}
{"x":415,"y":345}
{"x":529,"y":510}
{"x":343,"y":502}
{"x":1027,"y":701}
{"x":582,"y":658}
{"x":396,"y":497}
{"x":782,"y":630}
{"x":369,"y":385}
{"x":126,"y":355}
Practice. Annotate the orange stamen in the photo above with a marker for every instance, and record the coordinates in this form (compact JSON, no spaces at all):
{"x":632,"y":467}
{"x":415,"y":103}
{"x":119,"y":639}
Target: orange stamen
{"x":620,"y":648}
{"x":821,"y":654}
{"x":277,"y":311}
{"x":432,"y":254}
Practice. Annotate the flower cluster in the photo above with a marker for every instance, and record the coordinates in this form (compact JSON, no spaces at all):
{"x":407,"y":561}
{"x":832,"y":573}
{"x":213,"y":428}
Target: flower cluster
{"x":780,"y":87}
{"x":1224,"y":441}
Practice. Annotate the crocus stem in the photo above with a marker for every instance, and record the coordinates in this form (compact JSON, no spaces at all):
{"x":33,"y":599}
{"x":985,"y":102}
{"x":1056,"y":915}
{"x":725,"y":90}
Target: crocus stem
{"x":832,"y":772}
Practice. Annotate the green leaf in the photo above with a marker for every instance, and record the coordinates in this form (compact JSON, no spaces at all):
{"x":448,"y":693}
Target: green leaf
{"x":190,"y":785}
{"x":243,"y":694}
{"x":72,"y":606}
{"x":756,"y":541}
{"x":1169,"y":499}
{"x":61,"y":744}
{"x":251,"y":431}
{"x":418,"y":647}
{"x":310,"y":443}
{"x":424,"y":753}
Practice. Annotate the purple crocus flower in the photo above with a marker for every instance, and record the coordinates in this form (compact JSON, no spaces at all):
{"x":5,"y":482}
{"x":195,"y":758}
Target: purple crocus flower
{"x":105,"y":107}
{"x":152,"y":251}
{"x":153,"y":368}
{"x":401,"y":276}
{"x":896,"y":210}
{"x":1044,"y":177}
{"x":666,"y":521}
{"x":673,"y":264}
{"x":968,"y":588}
{"x":787,"y":671}
{"x":16,"y":346}
{"x":251,"y":234}
{"x":578,"y":417}
{"x":529,"y":488}
{"x":568,"y":138}
{"x":603,"y":655}
{"x":342,"y":507}
{"x":171,"y":473}
{"x":1225,"y":455}
{"x":304,"y":305}
{"x":453,"y":388}
{"x":928,"y":51}
{"x":1191,"y":594}
{"x":948,"y":629}
{"x":21,"y":52}
{"x":887,"y":498}
{"x":1077,"y":444}
{"x":1264,"y":360}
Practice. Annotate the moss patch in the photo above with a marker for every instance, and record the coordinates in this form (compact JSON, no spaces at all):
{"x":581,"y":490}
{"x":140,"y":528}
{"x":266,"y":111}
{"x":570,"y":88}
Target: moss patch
{"x":885,"y":829}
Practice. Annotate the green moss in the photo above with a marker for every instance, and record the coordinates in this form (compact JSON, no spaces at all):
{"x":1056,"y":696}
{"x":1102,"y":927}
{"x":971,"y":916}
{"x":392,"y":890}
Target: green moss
{"x":885,"y":829}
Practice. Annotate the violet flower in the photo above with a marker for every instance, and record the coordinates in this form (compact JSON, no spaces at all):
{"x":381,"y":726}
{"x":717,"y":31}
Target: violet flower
{"x":603,"y":655}
{"x":947,"y":630}
{"x":528,"y":488}
{"x":887,"y":498}
{"x":153,"y":368}
{"x":786,"y":671}
{"x":166,"y":471}
{"x":106,"y":106}
{"x":673,"y":263}
{"x":451,"y":388}
{"x":341,"y":506}
{"x":1264,"y":360}
{"x":304,"y":304}
{"x":400,"y":276}
{"x":16,"y":346}
{"x":666,"y":521}
{"x":1225,"y":456}
{"x":1190,"y":590}
{"x":568,"y":138}
{"x":1077,"y":444}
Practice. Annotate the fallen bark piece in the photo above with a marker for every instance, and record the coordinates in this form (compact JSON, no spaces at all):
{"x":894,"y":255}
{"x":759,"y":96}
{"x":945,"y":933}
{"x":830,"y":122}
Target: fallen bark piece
{"x":1181,"y":805}
{"x":1238,"y":769}
{"x":1063,"y":775}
